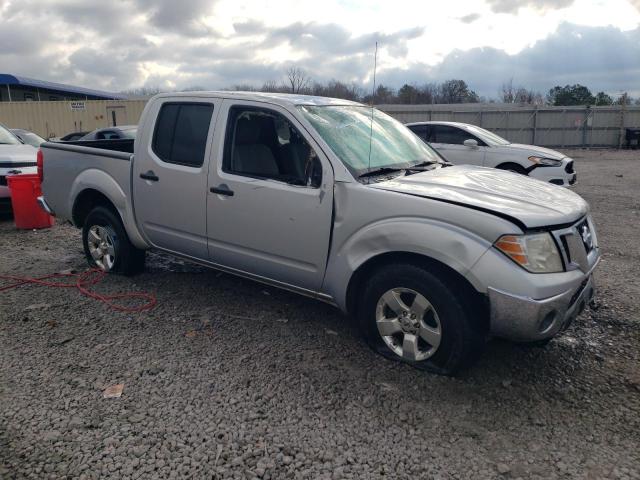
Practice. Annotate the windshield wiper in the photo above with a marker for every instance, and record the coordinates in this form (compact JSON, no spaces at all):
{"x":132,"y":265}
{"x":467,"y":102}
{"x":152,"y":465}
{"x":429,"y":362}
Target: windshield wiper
{"x":423,"y":166}
{"x":426,"y":163}
{"x":380,"y":171}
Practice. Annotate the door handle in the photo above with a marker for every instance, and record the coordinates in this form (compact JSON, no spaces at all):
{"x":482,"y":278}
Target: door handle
{"x":149,"y":176}
{"x":222,"y":190}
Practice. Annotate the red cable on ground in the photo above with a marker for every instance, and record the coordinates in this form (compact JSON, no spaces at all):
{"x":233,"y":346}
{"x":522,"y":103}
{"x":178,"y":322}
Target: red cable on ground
{"x":82,"y":282}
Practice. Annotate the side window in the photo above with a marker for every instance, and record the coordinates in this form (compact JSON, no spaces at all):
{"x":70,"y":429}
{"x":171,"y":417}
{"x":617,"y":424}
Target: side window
{"x":450,"y":135}
{"x":106,"y":135}
{"x":181,"y":131}
{"x":420,"y":130}
{"x":263,"y":143}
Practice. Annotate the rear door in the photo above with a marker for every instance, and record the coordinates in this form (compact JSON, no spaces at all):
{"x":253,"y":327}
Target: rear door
{"x":270,"y":196}
{"x":170,"y":174}
{"x":449,"y":142}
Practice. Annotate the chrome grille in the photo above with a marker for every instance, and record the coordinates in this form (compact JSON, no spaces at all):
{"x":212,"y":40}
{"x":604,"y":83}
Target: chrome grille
{"x":578,"y":245}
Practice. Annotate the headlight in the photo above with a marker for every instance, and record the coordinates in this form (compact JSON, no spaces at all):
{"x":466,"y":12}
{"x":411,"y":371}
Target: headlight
{"x":535,"y":252}
{"x":550,"y":162}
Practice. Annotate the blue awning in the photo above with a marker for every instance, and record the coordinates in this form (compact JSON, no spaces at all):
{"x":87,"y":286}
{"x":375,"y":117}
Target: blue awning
{"x":7,"y":79}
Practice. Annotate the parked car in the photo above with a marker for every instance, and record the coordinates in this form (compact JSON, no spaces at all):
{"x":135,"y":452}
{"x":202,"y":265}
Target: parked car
{"x":112,"y":133}
{"x":15,"y":157}
{"x":27,"y":137}
{"x":338,"y":201}
{"x":70,"y":137}
{"x":463,"y":143}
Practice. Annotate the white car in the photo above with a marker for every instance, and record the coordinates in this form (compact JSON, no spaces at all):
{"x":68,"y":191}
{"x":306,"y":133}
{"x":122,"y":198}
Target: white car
{"x":15,"y":157}
{"x":462,"y":143}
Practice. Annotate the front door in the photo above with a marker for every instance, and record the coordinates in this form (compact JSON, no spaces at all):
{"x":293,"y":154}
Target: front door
{"x":449,"y":142}
{"x":170,"y":175}
{"x":270,"y":197}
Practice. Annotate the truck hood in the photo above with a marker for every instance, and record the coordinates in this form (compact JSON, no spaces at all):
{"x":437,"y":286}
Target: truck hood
{"x":525,"y":201}
{"x":12,"y":154}
{"x":533,"y":150}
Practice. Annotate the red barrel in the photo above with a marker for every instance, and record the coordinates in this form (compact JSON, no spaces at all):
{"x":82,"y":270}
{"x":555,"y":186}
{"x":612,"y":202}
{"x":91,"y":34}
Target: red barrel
{"x":25,"y":190}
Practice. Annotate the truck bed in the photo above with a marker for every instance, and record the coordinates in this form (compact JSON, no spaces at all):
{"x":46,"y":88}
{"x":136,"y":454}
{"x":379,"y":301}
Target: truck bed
{"x":70,"y":167}
{"x":118,"y":145}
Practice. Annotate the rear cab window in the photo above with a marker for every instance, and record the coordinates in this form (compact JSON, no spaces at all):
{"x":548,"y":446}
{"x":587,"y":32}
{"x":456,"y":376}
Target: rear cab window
{"x":180,"y":135}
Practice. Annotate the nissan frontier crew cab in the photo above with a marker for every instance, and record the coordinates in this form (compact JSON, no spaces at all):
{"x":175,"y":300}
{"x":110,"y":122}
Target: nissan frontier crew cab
{"x":340,"y":202}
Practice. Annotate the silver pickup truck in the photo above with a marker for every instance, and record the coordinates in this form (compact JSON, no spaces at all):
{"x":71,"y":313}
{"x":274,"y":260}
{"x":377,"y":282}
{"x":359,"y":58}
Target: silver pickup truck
{"x":340,"y":202}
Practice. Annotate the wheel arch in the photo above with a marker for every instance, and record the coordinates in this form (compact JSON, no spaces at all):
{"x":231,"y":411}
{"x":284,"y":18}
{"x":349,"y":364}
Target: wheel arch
{"x":474,"y":300}
{"x":87,"y":200}
{"x":514,"y":166}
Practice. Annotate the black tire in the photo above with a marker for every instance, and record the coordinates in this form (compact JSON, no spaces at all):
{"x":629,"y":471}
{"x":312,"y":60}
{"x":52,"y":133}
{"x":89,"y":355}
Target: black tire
{"x":512,"y":167}
{"x":128,"y":260}
{"x":537,"y":343}
{"x":461,"y":340}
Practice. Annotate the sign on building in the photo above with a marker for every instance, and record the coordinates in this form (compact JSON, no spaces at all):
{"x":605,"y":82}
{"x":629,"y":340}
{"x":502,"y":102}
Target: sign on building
{"x":78,"y":106}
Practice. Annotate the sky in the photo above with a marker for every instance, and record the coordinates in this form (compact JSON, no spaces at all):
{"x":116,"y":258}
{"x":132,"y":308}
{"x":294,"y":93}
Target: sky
{"x":178,"y":44}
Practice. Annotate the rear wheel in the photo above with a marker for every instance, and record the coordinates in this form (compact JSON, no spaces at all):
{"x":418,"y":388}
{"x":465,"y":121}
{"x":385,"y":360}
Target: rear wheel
{"x":107,"y":246}
{"x":408,"y":314}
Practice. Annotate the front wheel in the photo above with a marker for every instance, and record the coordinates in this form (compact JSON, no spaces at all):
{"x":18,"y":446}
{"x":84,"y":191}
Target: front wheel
{"x":408,"y":314}
{"x":107,"y":246}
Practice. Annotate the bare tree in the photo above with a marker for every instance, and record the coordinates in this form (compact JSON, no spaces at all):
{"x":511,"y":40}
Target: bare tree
{"x":507,"y":92}
{"x":512,"y":94}
{"x":194,"y":88}
{"x":143,"y":91}
{"x":297,"y":79}
{"x":241,"y":87}
{"x":271,"y":86}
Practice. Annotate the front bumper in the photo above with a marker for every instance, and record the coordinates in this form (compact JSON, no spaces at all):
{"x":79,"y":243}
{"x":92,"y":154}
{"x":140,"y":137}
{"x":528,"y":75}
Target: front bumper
{"x":527,"y":307}
{"x":564,"y":174}
{"x":525,"y":319}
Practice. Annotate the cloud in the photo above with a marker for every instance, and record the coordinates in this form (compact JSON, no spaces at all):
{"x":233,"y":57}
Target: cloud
{"x":512,"y":6}
{"x":472,"y":17}
{"x":123,"y":44}
{"x":591,"y":56}
{"x":328,"y":38}
{"x":178,"y":16}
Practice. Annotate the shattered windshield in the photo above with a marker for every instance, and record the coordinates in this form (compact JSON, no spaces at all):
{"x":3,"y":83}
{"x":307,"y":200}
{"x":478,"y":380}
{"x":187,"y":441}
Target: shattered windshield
{"x":367,"y":139}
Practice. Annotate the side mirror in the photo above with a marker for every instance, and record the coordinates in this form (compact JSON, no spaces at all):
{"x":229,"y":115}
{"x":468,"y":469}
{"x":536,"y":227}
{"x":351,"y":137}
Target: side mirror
{"x":471,"y":142}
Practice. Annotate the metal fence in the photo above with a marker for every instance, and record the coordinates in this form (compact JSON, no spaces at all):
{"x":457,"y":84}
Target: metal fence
{"x":57,"y":118}
{"x":545,"y":126}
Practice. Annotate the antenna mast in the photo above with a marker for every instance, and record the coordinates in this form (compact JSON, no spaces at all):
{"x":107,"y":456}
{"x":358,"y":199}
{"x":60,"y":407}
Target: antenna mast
{"x":375,"y":67}
{"x":373,"y":96}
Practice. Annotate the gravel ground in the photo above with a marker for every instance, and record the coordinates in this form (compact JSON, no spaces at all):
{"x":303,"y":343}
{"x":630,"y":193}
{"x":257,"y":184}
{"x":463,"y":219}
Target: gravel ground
{"x":226,"y":378}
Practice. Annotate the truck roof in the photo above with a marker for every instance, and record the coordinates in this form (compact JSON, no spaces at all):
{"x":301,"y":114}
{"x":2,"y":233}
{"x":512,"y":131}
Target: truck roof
{"x":438,"y":122}
{"x":284,"y":99}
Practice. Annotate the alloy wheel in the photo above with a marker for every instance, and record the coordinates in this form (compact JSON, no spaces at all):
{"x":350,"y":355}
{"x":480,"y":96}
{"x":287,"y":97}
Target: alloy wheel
{"x":101,"y":247}
{"x":409,"y":324}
